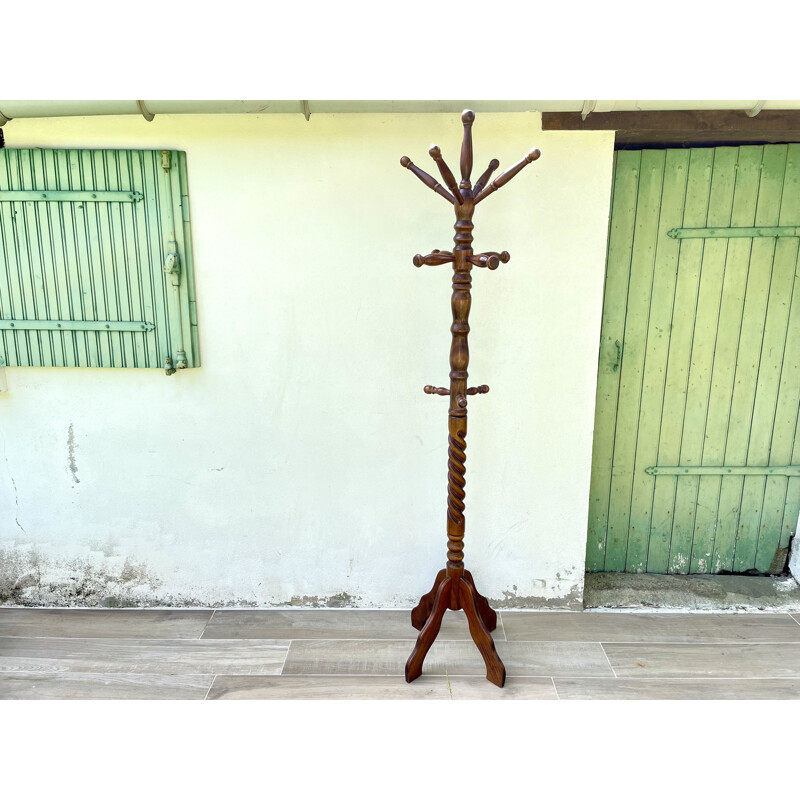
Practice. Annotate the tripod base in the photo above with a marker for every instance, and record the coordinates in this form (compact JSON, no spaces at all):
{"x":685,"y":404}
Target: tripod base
{"x":455,"y":591}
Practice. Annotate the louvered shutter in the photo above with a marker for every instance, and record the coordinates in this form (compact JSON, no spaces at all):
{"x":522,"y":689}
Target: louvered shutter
{"x":96,"y":259}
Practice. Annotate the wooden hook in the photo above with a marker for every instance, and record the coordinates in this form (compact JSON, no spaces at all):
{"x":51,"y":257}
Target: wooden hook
{"x":504,"y":178}
{"x":435,"y":258}
{"x":490,"y":259}
{"x":447,"y":175}
{"x":428,"y":180}
{"x":493,"y":165}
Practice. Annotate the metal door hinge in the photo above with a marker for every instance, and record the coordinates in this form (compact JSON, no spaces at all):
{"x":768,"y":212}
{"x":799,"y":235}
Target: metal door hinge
{"x":762,"y":232}
{"x":791,"y":470}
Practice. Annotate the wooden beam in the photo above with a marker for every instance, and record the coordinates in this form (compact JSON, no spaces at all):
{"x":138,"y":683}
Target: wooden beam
{"x":682,"y":127}
{"x":701,"y":121}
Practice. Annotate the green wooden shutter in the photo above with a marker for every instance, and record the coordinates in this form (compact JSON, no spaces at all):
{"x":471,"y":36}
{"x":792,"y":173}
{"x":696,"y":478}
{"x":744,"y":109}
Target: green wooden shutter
{"x":95,"y":259}
{"x":696,"y":460}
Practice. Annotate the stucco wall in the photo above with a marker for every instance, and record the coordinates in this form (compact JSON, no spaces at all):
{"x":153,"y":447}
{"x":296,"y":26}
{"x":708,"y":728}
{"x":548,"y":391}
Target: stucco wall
{"x":302,"y":464}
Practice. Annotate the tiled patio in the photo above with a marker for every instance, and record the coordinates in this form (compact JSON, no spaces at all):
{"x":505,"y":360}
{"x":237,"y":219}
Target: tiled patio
{"x":355,"y":654}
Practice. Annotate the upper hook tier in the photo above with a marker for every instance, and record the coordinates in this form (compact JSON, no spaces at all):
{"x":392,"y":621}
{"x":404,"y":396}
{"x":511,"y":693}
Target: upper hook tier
{"x":462,"y":193}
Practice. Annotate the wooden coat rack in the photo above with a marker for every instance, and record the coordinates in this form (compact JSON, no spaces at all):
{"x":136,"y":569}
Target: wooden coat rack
{"x":454,"y":587}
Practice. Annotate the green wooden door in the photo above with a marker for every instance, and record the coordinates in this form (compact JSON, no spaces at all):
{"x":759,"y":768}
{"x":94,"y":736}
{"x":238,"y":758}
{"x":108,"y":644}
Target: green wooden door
{"x":696,"y":459}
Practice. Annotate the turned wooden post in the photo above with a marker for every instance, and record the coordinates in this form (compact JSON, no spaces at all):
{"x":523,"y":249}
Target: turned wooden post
{"x":454,"y":587}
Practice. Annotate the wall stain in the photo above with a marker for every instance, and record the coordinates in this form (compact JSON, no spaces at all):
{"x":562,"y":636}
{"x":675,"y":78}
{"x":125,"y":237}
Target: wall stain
{"x":29,"y":579}
{"x":71,"y":447}
{"x":341,"y":600}
{"x":572,"y":601}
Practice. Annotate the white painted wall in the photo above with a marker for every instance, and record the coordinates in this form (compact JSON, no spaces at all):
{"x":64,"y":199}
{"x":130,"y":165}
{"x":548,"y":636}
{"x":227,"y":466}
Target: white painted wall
{"x":303,"y":461}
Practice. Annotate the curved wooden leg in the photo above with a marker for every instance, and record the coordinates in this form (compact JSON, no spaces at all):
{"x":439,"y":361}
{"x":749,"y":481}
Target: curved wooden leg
{"x":495,"y":670}
{"x":420,"y":614}
{"x":429,"y":631}
{"x":486,"y":612}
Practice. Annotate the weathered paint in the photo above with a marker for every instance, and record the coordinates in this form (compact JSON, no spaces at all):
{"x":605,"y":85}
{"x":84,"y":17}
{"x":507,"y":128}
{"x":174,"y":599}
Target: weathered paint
{"x":511,"y":599}
{"x":302,"y":462}
{"x":27,"y":577}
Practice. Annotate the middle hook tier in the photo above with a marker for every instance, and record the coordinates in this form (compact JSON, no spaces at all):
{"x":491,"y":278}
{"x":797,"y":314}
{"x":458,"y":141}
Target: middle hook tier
{"x":482,"y":389}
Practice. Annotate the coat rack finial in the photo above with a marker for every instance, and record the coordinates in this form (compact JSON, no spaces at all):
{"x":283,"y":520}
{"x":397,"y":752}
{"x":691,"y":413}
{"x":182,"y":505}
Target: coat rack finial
{"x":467,"y":117}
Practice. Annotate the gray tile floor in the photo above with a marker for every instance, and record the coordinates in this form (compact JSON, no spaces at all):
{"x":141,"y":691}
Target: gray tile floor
{"x":354,"y":654}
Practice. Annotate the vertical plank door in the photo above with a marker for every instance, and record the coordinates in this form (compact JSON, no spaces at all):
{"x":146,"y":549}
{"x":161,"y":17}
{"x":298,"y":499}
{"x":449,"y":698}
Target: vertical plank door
{"x":696,"y":459}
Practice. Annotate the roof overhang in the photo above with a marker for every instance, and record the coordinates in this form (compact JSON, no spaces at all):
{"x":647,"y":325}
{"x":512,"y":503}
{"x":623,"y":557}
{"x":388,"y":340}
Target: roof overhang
{"x":18,"y":109}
